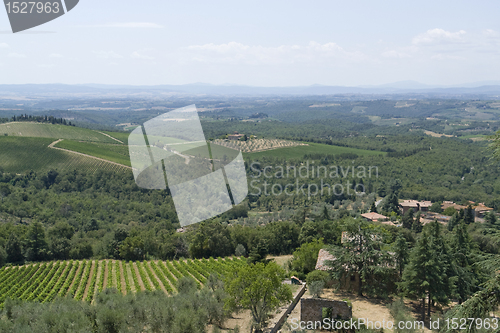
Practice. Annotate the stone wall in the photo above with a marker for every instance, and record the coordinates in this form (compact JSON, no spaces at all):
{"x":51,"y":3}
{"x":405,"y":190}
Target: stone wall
{"x":311,"y":309}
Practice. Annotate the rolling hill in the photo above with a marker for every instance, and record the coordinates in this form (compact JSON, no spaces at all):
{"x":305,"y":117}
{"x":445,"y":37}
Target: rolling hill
{"x":43,"y":130}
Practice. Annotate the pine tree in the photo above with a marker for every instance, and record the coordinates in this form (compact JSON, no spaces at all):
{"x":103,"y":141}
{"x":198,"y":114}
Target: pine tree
{"x":453,"y":221}
{"x":361,"y":253}
{"x":13,"y":249}
{"x":373,"y":208}
{"x":408,"y":219}
{"x":462,"y":263}
{"x":36,"y":243}
{"x":426,"y":276}
{"x":443,"y":274}
{"x":416,"y":276}
{"x":469,"y":215}
{"x":417,"y":225}
{"x":325,"y":215}
{"x":401,"y":253}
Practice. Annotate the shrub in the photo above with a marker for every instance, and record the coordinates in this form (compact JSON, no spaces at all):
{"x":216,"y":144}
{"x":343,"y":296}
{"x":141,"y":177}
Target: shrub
{"x":240,"y":251}
{"x":316,"y":288}
{"x":318,"y":276}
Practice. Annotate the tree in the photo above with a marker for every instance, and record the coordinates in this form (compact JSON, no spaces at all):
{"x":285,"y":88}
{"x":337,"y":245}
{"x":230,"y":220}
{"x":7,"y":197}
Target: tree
{"x":13,"y":249}
{"x":211,"y":239}
{"x":4,"y":190}
{"x":36,"y":244}
{"x":436,"y":207}
{"x":481,"y":304}
{"x":462,"y":263}
{"x":402,"y":253}
{"x":324,"y":214}
{"x":258,"y":253}
{"x":304,"y":258}
{"x":390,"y":203}
{"x":373,"y":208}
{"x":453,"y":221}
{"x":361,"y":253}
{"x":469,"y":215}
{"x":240,"y":251}
{"x":417,"y":225}
{"x":3,"y":256}
{"x":407,"y":219}
{"x":259,"y":288}
{"x":316,"y":288}
{"x":426,"y":274}
{"x":132,"y":248}
{"x":491,"y":220}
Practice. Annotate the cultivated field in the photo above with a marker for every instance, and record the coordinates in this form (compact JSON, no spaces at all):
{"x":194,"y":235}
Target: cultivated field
{"x":20,"y":155}
{"x":27,"y":129}
{"x":82,"y":280}
{"x":112,"y":152}
{"x":311,"y":148}
{"x":256,"y":145}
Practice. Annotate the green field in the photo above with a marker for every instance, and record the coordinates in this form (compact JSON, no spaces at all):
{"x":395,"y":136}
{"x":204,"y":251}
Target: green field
{"x":82,"y":280}
{"x":112,"y":152}
{"x":27,"y":129}
{"x":473,"y":136}
{"x":20,"y":155}
{"x":311,"y":148}
{"x":122,"y":136}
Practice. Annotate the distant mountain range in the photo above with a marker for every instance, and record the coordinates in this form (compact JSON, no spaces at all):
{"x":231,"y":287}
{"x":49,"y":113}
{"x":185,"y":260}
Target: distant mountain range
{"x":486,"y":88}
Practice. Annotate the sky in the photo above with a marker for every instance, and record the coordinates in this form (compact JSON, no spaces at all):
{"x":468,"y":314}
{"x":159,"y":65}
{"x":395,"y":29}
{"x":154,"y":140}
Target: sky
{"x":258,"y":43}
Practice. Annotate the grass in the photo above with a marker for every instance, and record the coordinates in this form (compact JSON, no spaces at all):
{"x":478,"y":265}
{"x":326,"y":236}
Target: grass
{"x":20,"y":155}
{"x":311,"y":148}
{"x":26,"y":129}
{"x":112,"y":152}
{"x":473,"y":136}
{"x":122,"y":136}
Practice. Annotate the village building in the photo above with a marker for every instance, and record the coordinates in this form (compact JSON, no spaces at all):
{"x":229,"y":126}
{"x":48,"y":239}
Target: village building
{"x":373,"y":217}
{"x":422,"y":206}
{"x":235,"y":136}
{"x":481,"y":209}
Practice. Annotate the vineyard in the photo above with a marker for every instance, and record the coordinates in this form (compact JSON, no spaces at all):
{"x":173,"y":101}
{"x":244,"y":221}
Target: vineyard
{"x":82,"y":280}
{"x":255,"y":145}
{"x":26,"y":129}
{"x":112,"y":152}
{"x":19,"y":155}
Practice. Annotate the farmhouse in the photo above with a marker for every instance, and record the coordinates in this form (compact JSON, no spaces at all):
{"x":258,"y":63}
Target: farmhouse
{"x":422,"y":206}
{"x":373,"y":217}
{"x":481,"y":209}
{"x":235,"y":136}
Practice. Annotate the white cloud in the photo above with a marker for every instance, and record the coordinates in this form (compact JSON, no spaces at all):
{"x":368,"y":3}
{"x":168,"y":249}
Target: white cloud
{"x":56,"y":55}
{"x":126,"y":25}
{"x":137,"y":55}
{"x":16,"y":55}
{"x":46,"y":65}
{"x":4,"y":46}
{"x":441,"y":56}
{"x":107,"y":55}
{"x":234,"y":52}
{"x":491,"y":33}
{"x":439,"y":36}
{"x":395,"y":54}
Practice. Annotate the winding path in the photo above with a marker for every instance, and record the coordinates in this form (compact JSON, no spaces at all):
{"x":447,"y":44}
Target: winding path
{"x":52,"y":145}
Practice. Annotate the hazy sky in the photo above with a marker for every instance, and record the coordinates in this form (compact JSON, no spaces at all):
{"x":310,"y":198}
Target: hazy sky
{"x":262,"y":43}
